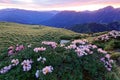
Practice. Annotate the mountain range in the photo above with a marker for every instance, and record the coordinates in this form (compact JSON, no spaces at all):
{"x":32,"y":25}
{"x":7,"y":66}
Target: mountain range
{"x":25,"y":16}
{"x":64,"y":19}
{"x":69,"y":18}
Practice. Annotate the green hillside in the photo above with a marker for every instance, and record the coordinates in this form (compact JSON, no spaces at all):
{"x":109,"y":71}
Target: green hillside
{"x":12,"y":33}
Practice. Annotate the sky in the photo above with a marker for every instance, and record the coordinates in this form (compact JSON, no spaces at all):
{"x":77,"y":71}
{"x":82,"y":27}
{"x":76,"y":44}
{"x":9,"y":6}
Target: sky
{"x":47,"y":5}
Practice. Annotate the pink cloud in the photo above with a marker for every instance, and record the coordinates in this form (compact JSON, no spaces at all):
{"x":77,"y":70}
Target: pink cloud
{"x":5,"y":1}
{"x":79,"y":5}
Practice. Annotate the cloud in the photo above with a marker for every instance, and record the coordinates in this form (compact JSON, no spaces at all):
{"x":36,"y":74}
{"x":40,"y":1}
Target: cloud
{"x":5,"y":1}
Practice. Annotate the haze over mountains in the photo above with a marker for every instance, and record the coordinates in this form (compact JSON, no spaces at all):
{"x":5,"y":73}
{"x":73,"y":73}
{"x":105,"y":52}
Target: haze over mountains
{"x":25,"y":16}
{"x":69,"y":18}
{"x":64,"y":19}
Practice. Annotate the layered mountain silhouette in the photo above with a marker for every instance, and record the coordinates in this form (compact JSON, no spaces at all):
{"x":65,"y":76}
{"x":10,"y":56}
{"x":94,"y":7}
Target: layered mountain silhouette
{"x":64,"y":19}
{"x":25,"y":16}
{"x":69,"y":18}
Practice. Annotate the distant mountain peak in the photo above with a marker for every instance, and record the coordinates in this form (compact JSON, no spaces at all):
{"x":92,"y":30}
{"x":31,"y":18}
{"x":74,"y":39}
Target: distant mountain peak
{"x":108,"y":8}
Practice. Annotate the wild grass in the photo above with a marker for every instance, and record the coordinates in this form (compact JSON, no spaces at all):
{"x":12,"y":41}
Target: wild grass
{"x":12,"y":34}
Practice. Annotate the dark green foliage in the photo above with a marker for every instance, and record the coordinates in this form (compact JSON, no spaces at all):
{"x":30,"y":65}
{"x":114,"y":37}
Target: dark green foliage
{"x":108,"y":45}
{"x":72,"y":37}
{"x":67,"y":65}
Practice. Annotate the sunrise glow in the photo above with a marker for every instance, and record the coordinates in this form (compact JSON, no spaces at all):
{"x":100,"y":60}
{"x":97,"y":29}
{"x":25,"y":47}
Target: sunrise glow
{"x":46,"y":5}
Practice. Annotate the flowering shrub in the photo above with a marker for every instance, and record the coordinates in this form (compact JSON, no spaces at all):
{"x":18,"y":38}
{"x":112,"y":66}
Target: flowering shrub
{"x":52,"y":44}
{"x":83,"y":48}
{"x":108,"y":41}
{"x":5,"y":69}
{"x":45,"y":70}
{"x":108,"y":36}
{"x":41,"y":59}
{"x":102,"y":51}
{"x":107,"y":62}
{"x":12,"y":50}
{"x":77,"y":61}
{"x":39,"y":49}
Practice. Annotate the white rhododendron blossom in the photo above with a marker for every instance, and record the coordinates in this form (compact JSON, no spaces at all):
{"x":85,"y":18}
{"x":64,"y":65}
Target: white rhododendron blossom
{"x":5,"y":69}
{"x":26,"y":65}
{"x":41,"y":59}
{"x":37,"y":73}
{"x":39,"y":49}
{"x":15,"y":62}
{"x":29,"y":46}
{"x":47,"y":69}
{"x":50,"y":43}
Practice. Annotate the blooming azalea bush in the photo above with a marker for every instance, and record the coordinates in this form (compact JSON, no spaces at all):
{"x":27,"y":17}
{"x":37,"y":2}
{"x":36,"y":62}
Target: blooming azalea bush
{"x":108,"y":36}
{"x":52,"y":44}
{"x":108,"y":41}
{"x":13,"y":50}
{"x":78,"y":60}
{"x":39,"y":49}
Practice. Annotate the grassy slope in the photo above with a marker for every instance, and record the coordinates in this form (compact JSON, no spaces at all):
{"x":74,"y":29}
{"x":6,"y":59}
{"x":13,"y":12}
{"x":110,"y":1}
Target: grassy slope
{"x":12,"y":34}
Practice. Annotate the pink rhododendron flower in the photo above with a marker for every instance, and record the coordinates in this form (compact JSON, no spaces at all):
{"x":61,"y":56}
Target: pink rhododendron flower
{"x":79,"y":41}
{"x":72,"y":46}
{"x":102,"y":51}
{"x":94,"y":46}
{"x":10,"y":52}
{"x":109,"y":35}
{"x":111,"y":61}
{"x":52,"y":44}
{"x":19,"y":48}
{"x":47,"y":69}
{"x":11,"y":48}
{"x":107,"y":56}
{"x":107,"y":62}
